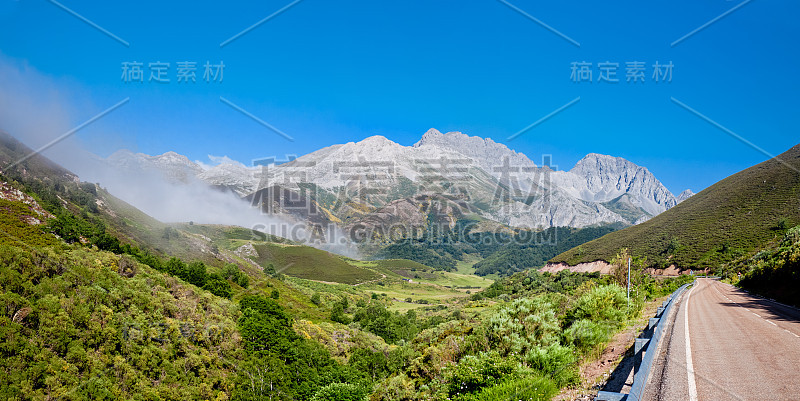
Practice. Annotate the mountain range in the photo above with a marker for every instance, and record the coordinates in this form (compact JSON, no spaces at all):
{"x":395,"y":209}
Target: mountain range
{"x":377,"y":182}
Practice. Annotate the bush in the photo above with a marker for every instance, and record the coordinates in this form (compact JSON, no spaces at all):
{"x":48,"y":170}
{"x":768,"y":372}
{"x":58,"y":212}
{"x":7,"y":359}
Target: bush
{"x":473,"y":373}
{"x":175,"y":267}
{"x":196,"y":273}
{"x":522,"y":325}
{"x":529,"y":388}
{"x":390,"y":326}
{"x":556,"y":361}
{"x":232,"y":272}
{"x":586,"y":334}
{"x":337,"y":314}
{"x":218,"y":286}
{"x":604,"y":304}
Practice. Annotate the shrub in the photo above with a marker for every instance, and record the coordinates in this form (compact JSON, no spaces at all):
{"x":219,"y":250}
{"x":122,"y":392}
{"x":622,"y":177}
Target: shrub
{"x":555,"y":361}
{"x":232,"y":272}
{"x":175,"y":267}
{"x":603,"y":304}
{"x":337,"y":314}
{"x":473,"y":373}
{"x":529,"y":388}
{"x":524,"y":324}
{"x":218,"y":286}
{"x":586,"y":334}
{"x":196,"y":273}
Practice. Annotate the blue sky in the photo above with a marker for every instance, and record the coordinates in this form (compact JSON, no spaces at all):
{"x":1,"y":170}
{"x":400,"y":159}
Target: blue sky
{"x":329,"y":72}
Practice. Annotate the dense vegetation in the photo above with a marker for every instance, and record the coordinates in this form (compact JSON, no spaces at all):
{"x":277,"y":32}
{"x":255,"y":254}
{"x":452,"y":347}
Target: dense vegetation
{"x":503,"y":253}
{"x":774,"y":271}
{"x":78,"y":324}
{"x":521,"y":254}
{"x":733,"y":218}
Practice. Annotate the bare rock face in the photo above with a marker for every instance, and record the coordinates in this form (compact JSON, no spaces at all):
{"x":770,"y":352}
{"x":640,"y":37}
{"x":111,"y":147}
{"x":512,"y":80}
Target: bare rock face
{"x":38,"y":214}
{"x":601,"y":178}
{"x":410,"y":217}
{"x":246,"y":251}
{"x":487,"y":154}
{"x":238,"y":178}
{"x":591,"y":267}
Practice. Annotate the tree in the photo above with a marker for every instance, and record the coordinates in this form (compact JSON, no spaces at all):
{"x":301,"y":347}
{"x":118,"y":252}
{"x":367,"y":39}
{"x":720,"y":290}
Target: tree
{"x":337,"y":314}
{"x":175,"y":267}
{"x":232,"y":272}
{"x":673,"y":246}
{"x":269,"y":269}
{"x":196,"y":273}
{"x":218,"y":286}
{"x":372,"y":364}
{"x":620,"y":267}
{"x":262,"y":379}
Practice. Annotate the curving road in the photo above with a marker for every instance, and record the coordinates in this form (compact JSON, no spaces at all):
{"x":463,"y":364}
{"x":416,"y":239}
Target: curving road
{"x":737,"y":347}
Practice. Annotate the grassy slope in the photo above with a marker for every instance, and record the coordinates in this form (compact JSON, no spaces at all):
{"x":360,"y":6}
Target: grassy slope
{"x":311,"y":263}
{"x":428,"y":286}
{"x":731,"y":218}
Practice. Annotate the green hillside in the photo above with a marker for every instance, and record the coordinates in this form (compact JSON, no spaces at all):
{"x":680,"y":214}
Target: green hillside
{"x":310,"y":263}
{"x":732,"y":218}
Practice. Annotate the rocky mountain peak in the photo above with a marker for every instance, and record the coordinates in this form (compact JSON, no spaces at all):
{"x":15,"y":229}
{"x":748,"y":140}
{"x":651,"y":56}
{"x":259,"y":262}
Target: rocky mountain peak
{"x":488,"y":154}
{"x":429,"y":135}
{"x":594,"y":162}
{"x":685,"y":195}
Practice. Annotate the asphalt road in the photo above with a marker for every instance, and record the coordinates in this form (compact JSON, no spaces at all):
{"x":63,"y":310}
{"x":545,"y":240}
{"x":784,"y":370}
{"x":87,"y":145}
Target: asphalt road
{"x":742,"y":348}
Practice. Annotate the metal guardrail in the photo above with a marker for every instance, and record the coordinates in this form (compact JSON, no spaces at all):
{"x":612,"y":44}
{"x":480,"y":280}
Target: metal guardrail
{"x":643,"y":359}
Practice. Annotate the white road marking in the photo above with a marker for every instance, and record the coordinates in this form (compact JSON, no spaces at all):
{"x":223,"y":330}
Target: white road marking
{"x":689,"y":365}
{"x":756,"y":314}
{"x":770,"y":322}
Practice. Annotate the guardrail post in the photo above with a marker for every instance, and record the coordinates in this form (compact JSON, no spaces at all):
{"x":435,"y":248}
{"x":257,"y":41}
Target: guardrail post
{"x":638,"y":353}
{"x":659,"y":311}
{"x":651,"y":325}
